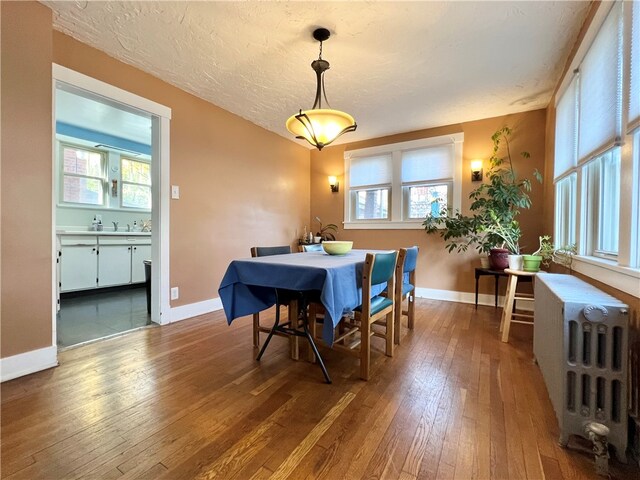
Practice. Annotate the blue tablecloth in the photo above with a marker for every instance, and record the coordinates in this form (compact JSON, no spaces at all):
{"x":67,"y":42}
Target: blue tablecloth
{"x":248,"y":285}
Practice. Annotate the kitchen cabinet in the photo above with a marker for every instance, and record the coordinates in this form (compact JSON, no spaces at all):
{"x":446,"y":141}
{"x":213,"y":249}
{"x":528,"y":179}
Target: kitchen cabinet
{"x":96,"y":261}
{"x":78,"y":263}
{"x":139,"y":253}
{"x":114,"y":265}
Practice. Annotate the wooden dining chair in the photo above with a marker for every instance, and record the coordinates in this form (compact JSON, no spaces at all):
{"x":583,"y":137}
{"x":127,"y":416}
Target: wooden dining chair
{"x":285,"y":298}
{"x":405,"y":288}
{"x":374,"y":317}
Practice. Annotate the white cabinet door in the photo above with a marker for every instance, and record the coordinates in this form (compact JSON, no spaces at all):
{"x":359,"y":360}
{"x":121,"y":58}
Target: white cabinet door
{"x":139,"y":254}
{"x":114,"y":265}
{"x":78,"y":267}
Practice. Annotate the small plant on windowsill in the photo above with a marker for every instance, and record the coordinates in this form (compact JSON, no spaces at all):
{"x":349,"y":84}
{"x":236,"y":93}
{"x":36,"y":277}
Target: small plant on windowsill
{"x":495,"y":206}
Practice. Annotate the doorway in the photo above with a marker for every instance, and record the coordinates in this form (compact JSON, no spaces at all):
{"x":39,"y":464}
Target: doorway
{"x":110,"y":238}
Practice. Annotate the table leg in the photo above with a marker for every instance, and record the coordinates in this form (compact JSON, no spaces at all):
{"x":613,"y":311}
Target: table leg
{"x":495,"y":291}
{"x":477,"y":277}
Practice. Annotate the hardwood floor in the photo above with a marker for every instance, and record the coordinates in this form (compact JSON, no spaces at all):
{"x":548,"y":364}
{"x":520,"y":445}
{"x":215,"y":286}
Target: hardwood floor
{"x":189,"y":401}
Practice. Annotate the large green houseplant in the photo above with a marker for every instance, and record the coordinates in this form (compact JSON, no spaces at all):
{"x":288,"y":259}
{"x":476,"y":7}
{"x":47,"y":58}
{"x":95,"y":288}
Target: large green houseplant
{"x":495,"y":205}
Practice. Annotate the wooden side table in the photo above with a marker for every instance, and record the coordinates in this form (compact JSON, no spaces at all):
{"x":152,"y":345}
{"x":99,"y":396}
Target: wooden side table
{"x":508,"y":316}
{"x":481,"y":272}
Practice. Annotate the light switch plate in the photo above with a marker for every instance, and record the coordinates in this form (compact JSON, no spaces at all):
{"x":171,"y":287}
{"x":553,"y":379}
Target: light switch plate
{"x":175,"y":192}
{"x":175,"y":293}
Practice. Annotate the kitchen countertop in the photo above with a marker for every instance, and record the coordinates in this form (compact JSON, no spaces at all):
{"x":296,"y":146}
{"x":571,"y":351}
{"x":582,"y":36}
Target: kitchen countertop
{"x":110,"y":233}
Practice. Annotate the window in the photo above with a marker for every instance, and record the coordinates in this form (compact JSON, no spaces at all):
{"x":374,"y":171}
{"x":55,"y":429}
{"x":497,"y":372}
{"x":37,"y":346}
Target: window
{"x":427,"y":181}
{"x":83,"y":175}
{"x":597,"y":165}
{"x":136,"y":184}
{"x":602,"y":204}
{"x":565,"y":218}
{"x":398,"y":185}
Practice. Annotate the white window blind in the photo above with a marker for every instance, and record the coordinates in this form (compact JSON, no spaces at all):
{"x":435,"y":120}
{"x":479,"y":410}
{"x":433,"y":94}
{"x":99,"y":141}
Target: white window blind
{"x":566,"y":130}
{"x":425,"y":164}
{"x":374,"y":170}
{"x":634,"y":84}
{"x":600,"y":89}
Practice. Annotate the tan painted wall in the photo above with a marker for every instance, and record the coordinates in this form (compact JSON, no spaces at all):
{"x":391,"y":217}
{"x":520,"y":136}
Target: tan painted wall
{"x":26,"y":186}
{"x":240,"y":185}
{"x":436,"y":268}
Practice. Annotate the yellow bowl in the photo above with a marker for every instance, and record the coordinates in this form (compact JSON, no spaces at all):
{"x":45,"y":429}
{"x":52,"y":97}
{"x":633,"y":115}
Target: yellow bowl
{"x":337,"y":247}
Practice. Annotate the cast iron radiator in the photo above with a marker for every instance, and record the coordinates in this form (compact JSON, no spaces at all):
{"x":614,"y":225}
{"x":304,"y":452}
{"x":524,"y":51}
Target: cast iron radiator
{"x":580,"y":343}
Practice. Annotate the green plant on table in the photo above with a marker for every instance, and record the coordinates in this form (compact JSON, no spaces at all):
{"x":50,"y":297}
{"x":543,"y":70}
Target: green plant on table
{"x":328,"y":231}
{"x":546,"y":250}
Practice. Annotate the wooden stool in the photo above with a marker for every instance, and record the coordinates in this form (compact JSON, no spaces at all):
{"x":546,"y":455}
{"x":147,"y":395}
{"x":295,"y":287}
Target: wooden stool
{"x":507,"y":311}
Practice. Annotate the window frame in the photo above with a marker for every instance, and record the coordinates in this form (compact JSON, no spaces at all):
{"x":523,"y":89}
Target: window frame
{"x":397,"y":204}
{"x":568,"y":212}
{"x":104,"y":160}
{"x":123,"y":182}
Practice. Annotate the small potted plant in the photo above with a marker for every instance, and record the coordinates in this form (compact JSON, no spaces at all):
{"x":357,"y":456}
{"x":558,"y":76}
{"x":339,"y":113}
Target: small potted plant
{"x":508,"y":254}
{"x":325,"y":232}
{"x":543,"y":255}
{"x":564,"y":256}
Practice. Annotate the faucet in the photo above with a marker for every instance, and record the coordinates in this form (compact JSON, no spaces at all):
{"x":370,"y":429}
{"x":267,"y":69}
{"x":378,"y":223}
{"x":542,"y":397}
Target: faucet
{"x":115,"y":226}
{"x":128,"y":227}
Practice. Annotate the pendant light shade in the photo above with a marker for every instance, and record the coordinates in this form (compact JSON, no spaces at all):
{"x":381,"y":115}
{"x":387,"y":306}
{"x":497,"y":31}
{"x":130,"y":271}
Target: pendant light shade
{"x":320,"y":126}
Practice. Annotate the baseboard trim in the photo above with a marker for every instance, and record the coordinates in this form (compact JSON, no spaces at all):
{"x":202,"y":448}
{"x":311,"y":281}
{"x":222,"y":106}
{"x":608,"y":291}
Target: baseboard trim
{"x":28,"y":362}
{"x":466,"y":297}
{"x":194,"y":309}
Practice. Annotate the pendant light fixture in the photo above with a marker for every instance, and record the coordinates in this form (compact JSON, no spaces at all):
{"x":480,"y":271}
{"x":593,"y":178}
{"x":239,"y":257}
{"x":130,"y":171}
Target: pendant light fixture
{"x":320,"y":126}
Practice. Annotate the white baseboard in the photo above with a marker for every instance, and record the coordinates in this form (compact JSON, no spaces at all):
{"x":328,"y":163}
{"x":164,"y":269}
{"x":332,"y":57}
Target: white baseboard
{"x":194,"y":309}
{"x":466,"y":297}
{"x":28,"y":362}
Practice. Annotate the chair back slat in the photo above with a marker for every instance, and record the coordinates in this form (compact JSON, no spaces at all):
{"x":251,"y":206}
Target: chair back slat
{"x":316,"y":247}
{"x":384,"y":266}
{"x":411,"y":259}
{"x":268,"y":251}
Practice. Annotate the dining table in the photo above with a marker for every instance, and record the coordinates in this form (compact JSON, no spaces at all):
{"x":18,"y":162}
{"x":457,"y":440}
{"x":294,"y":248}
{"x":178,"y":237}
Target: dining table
{"x":249,"y":286}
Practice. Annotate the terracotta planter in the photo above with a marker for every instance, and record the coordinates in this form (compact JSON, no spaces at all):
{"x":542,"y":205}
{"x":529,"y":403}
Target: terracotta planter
{"x":499,"y":258}
{"x":532,"y":263}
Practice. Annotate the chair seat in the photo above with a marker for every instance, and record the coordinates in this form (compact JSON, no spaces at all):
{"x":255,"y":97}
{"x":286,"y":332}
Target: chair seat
{"x":406,"y":288}
{"x":378,"y":304}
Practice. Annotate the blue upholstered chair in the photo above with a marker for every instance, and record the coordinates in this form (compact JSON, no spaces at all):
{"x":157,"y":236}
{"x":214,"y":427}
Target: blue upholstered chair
{"x":314,"y":247}
{"x":405,"y":288}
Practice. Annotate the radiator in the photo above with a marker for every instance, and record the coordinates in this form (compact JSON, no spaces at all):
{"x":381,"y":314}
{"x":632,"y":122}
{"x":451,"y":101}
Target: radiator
{"x":580,"y":344}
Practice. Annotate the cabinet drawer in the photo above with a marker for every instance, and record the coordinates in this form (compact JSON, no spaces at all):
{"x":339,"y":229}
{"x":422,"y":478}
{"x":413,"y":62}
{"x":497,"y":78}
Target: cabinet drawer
{"x":123,"y":240}
{"x":77,"y":240}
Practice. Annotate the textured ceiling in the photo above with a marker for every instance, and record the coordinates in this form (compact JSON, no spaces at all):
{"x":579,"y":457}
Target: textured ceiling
{"x":395,"y":66}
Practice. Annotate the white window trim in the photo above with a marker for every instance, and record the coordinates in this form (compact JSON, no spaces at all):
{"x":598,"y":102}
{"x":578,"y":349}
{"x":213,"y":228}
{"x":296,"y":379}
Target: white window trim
{"x":60,"y":174}
{"x":610,"y":273}
{"x":396,"y":222}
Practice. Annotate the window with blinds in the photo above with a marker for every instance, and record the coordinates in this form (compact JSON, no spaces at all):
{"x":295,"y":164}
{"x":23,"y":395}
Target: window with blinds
{"x":589,"y":132}
{"x":400,"y":184}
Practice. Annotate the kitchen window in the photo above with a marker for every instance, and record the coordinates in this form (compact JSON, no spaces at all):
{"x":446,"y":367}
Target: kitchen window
{"x":398,"y":185}
{"x":136,"y":183}
{"x":83,"y":175}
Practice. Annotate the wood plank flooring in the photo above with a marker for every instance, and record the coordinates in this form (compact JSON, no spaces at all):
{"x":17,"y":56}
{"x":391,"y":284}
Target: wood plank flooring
{"x":189,"y":401}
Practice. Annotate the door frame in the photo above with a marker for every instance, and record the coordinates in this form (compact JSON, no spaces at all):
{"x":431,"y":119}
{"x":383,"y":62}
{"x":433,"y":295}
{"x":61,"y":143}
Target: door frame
{"x":160,"y":168}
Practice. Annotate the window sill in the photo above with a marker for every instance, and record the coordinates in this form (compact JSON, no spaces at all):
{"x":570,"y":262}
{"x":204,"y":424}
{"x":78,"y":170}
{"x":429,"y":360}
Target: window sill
{"x":609,"y":272}
{"x":384,"y":225}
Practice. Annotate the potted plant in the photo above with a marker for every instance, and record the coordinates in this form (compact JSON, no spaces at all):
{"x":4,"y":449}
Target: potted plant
{"x":495,"y":205}
{"x":326,"y":232}
{"x":509,"y":253}
{"x":564,"y":256}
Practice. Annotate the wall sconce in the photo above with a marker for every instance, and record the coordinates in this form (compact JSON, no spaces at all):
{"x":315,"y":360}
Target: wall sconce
{"x":333,"y":182}
{"x":476,"y":170}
